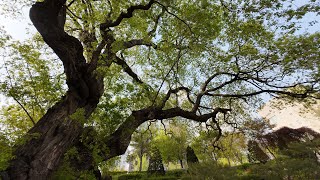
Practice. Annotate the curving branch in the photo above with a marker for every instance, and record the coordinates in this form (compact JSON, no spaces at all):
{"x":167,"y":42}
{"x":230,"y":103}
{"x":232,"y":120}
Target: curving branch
{"x":127,"y":69}
{"x":95,"y":55}
{"x":172,"y":14}
{"x":156,"y":23}
{"x":124,"y":15}
{"x":173,"y":91}
{"x":205,"y":84}
{"x":39,"y":157}
{"x":118,"y":141}
{"x":308,"y":93}
{"x":137,"y":42}
{"x":204,"y":90}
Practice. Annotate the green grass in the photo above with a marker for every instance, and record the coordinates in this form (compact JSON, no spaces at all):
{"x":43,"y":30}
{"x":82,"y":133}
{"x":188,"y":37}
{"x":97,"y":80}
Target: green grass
{"x":170,"y":175}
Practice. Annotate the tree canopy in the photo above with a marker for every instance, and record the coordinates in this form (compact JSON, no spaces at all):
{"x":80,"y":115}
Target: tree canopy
{"x":101,"y":68}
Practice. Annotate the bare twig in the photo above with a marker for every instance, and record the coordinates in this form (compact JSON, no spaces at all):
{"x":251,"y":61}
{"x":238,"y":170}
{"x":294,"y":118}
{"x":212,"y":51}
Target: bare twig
{"x":171,"y":68}
{"x":183,"y":21}
{"x":13,"y":96}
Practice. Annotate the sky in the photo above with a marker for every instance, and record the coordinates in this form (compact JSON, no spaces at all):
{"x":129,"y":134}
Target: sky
{"x":20,"y":28}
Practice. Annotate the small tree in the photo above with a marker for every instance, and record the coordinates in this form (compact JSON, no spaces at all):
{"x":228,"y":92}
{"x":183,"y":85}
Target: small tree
{"x":155,"y":162}
{"x":256,"y":153}
{"x":191,"y":156}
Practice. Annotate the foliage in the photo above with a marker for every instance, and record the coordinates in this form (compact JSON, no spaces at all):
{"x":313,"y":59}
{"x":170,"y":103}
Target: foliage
{"x":172,"y":141}
{"x":175,"y":174}
{"x":5,"y":152}
{"x":212,"y":170}
{"x":231,"y":148}
{"x":297,"y":161}
{"x":274,"y":144}
{"x":27,"y":79}
{"x":256,"y":153}
{"x":110,"y":165}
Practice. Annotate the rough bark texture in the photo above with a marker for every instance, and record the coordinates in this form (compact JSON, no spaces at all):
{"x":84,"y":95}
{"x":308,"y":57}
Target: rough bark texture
{"x":56,"y":131}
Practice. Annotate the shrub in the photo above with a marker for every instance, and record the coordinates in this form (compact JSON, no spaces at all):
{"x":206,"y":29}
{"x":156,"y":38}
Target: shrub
{"x":130,"y":176}
{"x":176,"y":173}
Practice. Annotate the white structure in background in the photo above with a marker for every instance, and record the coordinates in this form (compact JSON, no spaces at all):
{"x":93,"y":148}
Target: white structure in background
{"x":293,"y":115}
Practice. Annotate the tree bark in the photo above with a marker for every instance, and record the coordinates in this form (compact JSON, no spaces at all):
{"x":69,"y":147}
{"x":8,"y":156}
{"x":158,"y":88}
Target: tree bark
{"x":181,"y":163}
{"x":56,"y":131}
{"x":140,"y":164}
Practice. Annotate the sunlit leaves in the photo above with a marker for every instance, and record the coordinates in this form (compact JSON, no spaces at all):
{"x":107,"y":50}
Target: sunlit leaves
{"x":5,"y":152}
{"x":32,"y":80}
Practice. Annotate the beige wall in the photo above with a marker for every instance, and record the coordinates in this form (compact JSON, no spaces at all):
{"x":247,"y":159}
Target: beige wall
{"x":293,"y":115}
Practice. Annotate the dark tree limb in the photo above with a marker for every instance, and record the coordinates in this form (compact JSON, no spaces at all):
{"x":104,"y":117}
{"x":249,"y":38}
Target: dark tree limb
{"x":290,"y":94}
{"x":137,"y":42}
{"x":173,"y":91}
{"x":127,"y":14}
{"x":118,"y":141}
{"x":127,"y":69}
{"x":156,"y":23}
{"x":167,"y":10}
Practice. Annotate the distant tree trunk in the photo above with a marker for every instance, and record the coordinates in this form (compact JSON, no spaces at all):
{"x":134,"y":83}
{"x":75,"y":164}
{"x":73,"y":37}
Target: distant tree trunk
{"x":140,"y":157}
{"x":229,"y":162}
{"x":239,"y":157}
{"x":181,"y":163}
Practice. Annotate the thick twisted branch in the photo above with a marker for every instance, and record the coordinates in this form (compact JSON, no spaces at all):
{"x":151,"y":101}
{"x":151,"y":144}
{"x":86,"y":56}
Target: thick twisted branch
{"x":120,"y":139}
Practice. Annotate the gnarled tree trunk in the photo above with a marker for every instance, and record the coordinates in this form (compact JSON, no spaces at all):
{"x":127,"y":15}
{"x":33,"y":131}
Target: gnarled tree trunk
{"x":56,"y":131}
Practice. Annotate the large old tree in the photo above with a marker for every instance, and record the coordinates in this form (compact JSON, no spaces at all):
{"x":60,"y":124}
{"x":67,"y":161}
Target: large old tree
{"x":207,"y":61}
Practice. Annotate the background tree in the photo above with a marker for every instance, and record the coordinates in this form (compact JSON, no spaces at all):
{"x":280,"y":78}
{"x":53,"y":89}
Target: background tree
{"x":279,"y":141}
{"x":173,"y":141}
{"x":191,"y":156}
{"x":141,"y":141}
{"x":155,"y":162}
{"x":233,"y":147}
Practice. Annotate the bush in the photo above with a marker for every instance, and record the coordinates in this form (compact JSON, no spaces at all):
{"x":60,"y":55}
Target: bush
{"x":162,"y":178}
{"x":211,"y":170}
{"x":130,"y":176}
{"x":176,"y":173}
